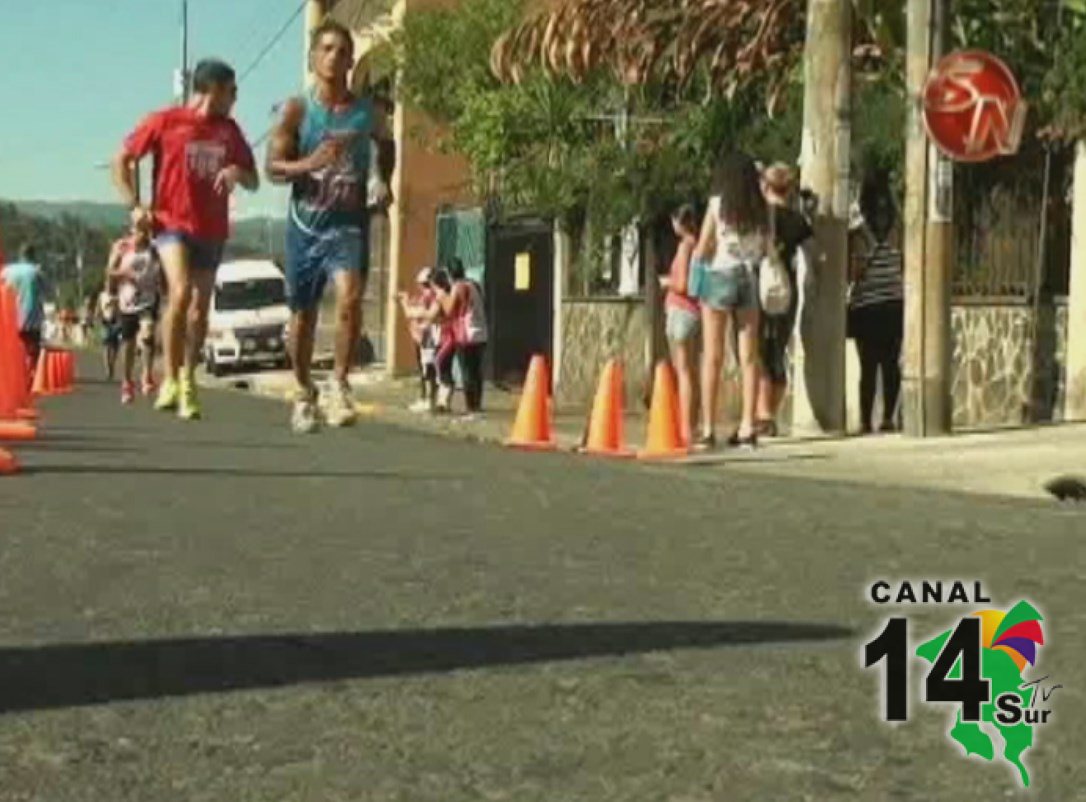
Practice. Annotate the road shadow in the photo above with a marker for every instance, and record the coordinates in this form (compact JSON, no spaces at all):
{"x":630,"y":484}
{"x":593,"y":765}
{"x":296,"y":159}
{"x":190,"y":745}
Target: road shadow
{"x":235,"y":473}
{"x":70,"y":675}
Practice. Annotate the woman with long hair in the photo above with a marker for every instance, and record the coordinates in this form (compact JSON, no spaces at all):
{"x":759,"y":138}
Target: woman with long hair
{"x":733,"y":242}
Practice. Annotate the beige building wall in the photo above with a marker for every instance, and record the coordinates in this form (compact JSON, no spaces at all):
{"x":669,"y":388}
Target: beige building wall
{"x":424,"y":182}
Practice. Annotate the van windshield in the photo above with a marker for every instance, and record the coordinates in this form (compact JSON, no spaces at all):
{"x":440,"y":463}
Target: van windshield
{"x":252,"y":294}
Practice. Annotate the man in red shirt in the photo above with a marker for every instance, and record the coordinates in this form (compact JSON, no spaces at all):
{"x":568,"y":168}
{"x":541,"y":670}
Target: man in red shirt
{"x":200,"y":156}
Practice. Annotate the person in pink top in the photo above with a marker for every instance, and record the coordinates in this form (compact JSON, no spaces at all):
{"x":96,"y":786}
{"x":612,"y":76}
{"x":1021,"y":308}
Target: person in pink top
{"x":683,"y":314}
{"x":200,"y":156}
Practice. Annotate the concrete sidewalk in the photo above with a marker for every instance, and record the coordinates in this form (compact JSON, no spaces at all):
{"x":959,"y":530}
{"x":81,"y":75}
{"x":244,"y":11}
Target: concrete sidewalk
{"x":1005,"y":462}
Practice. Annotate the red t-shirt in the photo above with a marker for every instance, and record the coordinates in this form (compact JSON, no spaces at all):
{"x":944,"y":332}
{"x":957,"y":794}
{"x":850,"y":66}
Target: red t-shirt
{"x":189,"y":151}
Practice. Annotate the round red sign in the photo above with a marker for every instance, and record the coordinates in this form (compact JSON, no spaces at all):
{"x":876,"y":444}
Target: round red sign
{"x":973,"y":109}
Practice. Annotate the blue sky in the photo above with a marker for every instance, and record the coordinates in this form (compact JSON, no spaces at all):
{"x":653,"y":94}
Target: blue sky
{"x":78,"y":74}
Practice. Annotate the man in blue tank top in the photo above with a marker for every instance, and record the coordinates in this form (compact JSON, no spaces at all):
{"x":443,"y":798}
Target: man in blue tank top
{"x":323,"y":146}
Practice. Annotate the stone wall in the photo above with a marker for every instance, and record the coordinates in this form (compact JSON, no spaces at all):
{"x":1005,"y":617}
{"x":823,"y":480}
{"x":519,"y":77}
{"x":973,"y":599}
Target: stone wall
{"x":594,"y":331}
{"x":1006,"y":370}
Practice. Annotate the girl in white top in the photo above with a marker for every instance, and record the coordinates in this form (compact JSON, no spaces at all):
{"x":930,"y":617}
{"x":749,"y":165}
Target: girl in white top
{"x":733,"y":241}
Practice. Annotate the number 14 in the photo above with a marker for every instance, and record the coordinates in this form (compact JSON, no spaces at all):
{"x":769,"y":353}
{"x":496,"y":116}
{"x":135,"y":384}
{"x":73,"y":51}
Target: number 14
{"x":971,"y":690}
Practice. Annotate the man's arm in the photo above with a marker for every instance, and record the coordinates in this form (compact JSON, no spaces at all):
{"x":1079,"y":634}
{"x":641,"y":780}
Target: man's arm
{"x":386,"y":145}
{"x":241,"y":170}
{"x":137,"y":145}
{"x":282,"y":165}
{"x":124,"y":179}
{"x":113,"y":265}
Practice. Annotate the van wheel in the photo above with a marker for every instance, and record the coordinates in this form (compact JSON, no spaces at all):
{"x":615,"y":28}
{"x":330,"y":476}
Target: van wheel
{"x":213,"y":367}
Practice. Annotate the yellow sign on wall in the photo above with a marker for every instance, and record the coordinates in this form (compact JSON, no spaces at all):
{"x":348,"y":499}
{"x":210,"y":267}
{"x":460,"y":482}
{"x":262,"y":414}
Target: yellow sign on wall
{"x":522,"y":280}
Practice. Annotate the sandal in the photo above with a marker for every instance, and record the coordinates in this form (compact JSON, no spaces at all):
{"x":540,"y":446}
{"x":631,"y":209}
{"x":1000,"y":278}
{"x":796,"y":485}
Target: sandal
{"x":707,"y":442}
{"x":750,"y":442}
{"x":767,"y":427}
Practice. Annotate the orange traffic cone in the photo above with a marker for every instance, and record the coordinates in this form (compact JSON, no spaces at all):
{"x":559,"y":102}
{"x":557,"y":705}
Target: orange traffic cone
{"x":43,"y":376}
{"x":8,"y":465}
{"x":55,"y":369}
{"x":532,"y":428}
{"x":67,"y":371}
{"x":664,"y":439}
{"x":17,"y":430}
{"x":605,"y":428}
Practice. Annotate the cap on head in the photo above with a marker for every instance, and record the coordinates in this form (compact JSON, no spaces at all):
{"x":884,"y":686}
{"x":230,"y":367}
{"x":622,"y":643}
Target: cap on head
{"x":424,"y":275}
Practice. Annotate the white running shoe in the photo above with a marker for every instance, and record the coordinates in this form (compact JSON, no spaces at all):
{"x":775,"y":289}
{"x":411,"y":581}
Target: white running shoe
{"x":421,"y":406}
{"x":305,"y":414}
{"x":341,"y":409}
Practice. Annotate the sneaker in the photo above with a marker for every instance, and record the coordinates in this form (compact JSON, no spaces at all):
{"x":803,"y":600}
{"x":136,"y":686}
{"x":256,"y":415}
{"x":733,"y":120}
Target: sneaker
{"x":168,"y":395}
{"x":340,"y":409}
{"x":128,"y":392}
{"x":468,"y":417}
{"x":420,"y":407}
{"x":305,"y":413}
{"x":188,"y":407}
{"x":147,"y":388}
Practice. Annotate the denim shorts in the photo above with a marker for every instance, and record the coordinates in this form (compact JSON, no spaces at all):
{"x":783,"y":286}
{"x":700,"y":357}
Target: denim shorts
{"x":727,"y":290}
{"x":204,"y":254}
{"x":314,"y":256}
{"x":681,"y":324}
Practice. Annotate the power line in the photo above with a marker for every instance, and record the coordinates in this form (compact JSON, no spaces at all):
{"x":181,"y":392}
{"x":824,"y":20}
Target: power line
{"x":272,"y":42}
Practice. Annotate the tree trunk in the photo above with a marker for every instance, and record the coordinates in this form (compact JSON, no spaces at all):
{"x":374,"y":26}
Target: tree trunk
{"x":819,"y":353}
{"x":925,"y":386}
{"x":1075,"y":394}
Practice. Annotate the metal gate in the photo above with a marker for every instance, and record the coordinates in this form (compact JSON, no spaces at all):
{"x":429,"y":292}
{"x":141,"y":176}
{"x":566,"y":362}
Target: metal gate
{"x":462,"y":234}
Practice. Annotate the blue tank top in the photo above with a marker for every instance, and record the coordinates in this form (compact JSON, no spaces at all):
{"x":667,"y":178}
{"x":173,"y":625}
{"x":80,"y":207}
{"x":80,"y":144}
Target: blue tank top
{"x":336,"y":195}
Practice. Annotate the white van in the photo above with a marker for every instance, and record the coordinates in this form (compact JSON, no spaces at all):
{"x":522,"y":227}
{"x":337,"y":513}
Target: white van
{"x":249,"y":316}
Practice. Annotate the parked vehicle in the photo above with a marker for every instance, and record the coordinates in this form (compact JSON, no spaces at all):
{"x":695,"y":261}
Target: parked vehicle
{"x":249,"y":317}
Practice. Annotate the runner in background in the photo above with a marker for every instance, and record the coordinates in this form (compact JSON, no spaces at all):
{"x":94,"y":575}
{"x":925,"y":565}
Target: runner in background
{"x":111,"y":328}
{"x":25,"y":278}
{"x":135,"y":266}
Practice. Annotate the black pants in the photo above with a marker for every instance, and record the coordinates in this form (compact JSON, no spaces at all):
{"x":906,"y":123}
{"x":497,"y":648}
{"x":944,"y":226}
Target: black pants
{"x":471,"y":369}
{"x":878,"y":333}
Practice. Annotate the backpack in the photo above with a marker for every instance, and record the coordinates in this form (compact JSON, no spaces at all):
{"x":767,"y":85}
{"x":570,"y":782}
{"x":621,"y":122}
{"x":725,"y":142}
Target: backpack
{"x":774,"y":285}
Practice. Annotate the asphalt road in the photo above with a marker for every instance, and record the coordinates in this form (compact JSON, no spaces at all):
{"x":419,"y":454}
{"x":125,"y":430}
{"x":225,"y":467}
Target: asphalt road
{"x":223,"y":611}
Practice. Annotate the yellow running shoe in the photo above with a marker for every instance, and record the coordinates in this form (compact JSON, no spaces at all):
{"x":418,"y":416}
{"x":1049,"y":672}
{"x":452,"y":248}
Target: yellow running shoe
{"x":168,"y":395}
{"x":188,"y":407}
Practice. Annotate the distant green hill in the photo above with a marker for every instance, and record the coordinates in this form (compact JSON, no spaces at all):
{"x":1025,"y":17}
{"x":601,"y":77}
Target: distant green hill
{"x":251,"y":236}
{"x":95,"y":215}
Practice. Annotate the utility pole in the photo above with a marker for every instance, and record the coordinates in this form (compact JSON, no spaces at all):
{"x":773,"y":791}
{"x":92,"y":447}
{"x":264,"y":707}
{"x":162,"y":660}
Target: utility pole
{"x":314,"y":15}
{"x":929,"y":239}
{"x":181,"y":79}
{"x":819,"y":352}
